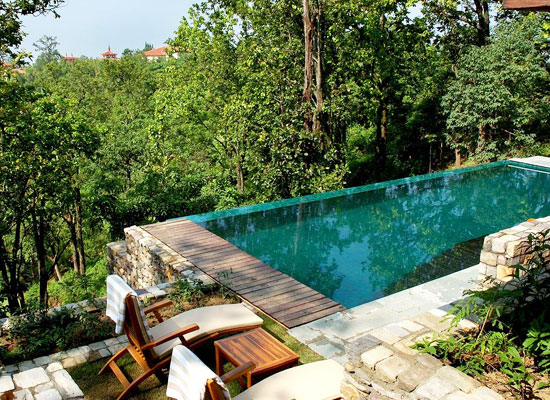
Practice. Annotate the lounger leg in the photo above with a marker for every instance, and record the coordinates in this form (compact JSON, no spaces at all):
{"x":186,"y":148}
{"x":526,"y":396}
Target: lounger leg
{"x":157,"y":368}
{"x":114,"y":358}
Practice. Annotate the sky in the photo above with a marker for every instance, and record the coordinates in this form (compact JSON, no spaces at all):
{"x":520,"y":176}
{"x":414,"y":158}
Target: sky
{"x":88,"y":27}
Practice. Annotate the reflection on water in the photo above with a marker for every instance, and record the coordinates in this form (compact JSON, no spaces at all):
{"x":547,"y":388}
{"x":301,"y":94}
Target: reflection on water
{"x":359,"y":247}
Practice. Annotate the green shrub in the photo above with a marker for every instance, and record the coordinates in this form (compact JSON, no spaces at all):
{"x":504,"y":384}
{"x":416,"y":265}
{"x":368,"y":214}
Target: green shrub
{"x":186,"y":291}
{"x":39,"y":333}
{"x":194,"y":292}
{"x":514,"y":335}
{"x":73,"y":288}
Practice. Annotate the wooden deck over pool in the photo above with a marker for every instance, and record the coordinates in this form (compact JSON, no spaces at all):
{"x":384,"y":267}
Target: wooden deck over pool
{"x":278,"y":295}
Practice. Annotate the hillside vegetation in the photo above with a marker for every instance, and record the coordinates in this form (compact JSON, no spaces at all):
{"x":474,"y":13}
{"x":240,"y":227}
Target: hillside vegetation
{"x":267,"y":100}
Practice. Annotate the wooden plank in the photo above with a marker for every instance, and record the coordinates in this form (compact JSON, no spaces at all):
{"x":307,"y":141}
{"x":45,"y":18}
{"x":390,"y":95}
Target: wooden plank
{"x":257,"y":283}
{"x":235,"y":264}
{"x":194,"y":248}
{"x":188,"y":234}
{"x":297,"y":305}
{"x":288,"y":298}
{"x":307,"y":318}
{"x":270,"y":283}
{"x":253,"y":277}
{"x":238,"y":260}
{"x":284,"y":296}
{"x":295,"y":314}
{"x":224,"y":252}
{"x":251,"y":269}
{"x":278,"y":295}
{"x":161,"y":225}
{"x":305,"y":308}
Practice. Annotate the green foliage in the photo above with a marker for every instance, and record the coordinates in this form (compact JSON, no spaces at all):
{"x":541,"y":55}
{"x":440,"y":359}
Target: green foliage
{"x":499,"y":97}
{"x":38,"y":333}
{"x":91,"y":147}
{"x":74,"y":288}
{"x":186,"y":291}
{"x":193,"y":293}
{"x":11,"y":34}
{"x":514,"y":335}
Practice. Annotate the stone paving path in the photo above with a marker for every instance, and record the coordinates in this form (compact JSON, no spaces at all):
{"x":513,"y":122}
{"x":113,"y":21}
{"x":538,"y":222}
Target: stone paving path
{"x":45,"y":378}
{"x":383,"y":365}
{"x":536,"y":160}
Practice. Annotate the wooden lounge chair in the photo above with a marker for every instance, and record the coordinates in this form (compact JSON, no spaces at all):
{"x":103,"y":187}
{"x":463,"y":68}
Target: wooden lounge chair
{"x":151,"y":347}
{"x":315,"y":381}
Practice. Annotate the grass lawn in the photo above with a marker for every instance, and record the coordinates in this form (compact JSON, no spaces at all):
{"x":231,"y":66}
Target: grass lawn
{"x":107,"y":387}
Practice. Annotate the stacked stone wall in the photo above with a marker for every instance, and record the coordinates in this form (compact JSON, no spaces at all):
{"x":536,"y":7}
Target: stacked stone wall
{"x":509,"y":247}
{"x":144,"y":261}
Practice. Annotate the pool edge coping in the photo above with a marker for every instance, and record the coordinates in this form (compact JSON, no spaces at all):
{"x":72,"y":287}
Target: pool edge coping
{"x":213,"y":215}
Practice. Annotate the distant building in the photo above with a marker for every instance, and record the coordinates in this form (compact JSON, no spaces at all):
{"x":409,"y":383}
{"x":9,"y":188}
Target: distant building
{"x":12,"y":69}
{"x":70,"y":58}
{"x":159,"y":53}
{"x":109,"y":55}
{"x":530,"y":5}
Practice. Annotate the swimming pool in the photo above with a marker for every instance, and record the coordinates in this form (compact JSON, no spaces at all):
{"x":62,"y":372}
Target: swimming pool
{"x":363,"y":243}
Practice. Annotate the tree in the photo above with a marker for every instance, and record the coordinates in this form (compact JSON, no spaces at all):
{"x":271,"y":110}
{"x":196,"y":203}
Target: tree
{"x":466,"y":20}
{"x":47,"y":47}
{"x":11,"y":34}
{"x":500,"y":92}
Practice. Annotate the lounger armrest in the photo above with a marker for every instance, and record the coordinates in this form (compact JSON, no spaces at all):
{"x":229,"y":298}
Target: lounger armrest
{"x":237,"y":372}
{"x":157,"y":306}
{"x":176,"y":334}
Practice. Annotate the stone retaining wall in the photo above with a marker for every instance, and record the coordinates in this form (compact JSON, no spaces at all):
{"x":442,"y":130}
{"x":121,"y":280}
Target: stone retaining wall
{"x":504,"y":249}
{"x":144,"y":261}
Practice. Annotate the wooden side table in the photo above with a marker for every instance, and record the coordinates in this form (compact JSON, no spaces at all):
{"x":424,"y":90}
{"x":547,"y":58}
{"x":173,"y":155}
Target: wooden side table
{"x":267,"y":353}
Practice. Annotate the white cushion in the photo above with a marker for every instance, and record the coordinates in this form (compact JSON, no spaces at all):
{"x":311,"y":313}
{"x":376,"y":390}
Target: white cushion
{"x":210,"y":319}
{"x":315,"y":381}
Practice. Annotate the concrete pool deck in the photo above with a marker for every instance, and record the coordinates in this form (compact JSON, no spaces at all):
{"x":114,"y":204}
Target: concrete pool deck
{"x":380,"y":318}
{"x":538,"y":161}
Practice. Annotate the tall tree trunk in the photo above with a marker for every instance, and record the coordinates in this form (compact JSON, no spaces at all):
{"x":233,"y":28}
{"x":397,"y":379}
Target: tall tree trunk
{"x":57,"y":272}
{"x":78,"y":231}
{"x":74,"y":244}
{"x":38,"y":230}
{"x":430,"y":159}
{"x":482,"y":136}
{"x":313,"y":72}
{"x":307,"y":97}
{"x":483,"y":21}
{"x":240,"y":176}
{"x":381,"y":136}
{"x":458,"y":157}
{"x":317,"y":43}
{"x":9,"y":271}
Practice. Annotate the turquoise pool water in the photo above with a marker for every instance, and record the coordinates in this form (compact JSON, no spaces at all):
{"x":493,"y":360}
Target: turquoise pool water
{"x":363,"y":243}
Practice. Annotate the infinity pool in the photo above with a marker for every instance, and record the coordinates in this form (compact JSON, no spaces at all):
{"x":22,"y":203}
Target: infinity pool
{"x":363,"y":243}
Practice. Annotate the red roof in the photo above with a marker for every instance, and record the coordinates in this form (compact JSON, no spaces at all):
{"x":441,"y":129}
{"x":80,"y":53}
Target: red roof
{"x":109,"y":53}
{"x":159,"y":52}
{"x":532,"y":5}
{"x":10,"y":68}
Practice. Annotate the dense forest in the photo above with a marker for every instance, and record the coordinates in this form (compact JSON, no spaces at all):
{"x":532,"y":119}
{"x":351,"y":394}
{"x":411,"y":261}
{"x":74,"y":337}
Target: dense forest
{"x":268,"y":99}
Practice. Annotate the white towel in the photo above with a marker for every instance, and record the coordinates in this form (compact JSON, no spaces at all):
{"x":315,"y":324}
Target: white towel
{"x":188,"y":376}
{"x":117,"y":290}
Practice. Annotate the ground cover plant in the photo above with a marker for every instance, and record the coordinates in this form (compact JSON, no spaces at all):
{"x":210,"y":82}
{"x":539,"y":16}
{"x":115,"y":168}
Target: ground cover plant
{"x":512,"y":343}
{"x":39,"y":333}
